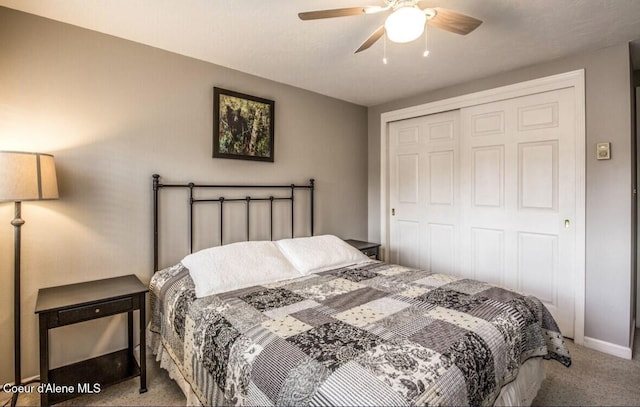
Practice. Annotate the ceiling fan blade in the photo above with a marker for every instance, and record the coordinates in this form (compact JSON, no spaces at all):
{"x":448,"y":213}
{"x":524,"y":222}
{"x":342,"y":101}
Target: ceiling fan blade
{"x":338,"y":12}
{"x":453,"y":21}
{"x":371,"y":40}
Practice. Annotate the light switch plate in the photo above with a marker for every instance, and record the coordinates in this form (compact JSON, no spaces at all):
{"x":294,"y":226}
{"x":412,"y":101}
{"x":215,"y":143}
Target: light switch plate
{"x":603,"y":151}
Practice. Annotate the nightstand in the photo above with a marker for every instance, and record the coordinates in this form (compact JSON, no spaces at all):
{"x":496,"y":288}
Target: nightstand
{"x":70,"y":304}
{"x":370,"y":249}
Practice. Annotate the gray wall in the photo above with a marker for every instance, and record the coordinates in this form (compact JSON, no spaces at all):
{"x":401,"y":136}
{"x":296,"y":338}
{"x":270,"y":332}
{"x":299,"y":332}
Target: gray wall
{"x":113,"y":112}
{"x":608,"y":116}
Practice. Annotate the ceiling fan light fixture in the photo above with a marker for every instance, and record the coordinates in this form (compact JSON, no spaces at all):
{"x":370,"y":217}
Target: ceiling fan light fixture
{"x":405,"y":24}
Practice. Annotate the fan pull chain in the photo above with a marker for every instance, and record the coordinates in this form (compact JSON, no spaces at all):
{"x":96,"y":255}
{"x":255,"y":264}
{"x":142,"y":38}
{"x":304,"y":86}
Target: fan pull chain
{"x":384,"y":49}
{"x":426,"y":43}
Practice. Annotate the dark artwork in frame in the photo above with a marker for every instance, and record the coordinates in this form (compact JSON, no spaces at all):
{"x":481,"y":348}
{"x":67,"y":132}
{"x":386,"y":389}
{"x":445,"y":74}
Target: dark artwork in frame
{"x":242,"y":126}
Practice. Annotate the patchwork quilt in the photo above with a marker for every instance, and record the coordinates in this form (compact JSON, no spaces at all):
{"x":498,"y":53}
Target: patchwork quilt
{"x":371,"y":334}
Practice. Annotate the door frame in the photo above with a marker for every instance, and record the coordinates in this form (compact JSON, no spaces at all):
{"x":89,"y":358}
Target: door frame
{"x":573,"y":79}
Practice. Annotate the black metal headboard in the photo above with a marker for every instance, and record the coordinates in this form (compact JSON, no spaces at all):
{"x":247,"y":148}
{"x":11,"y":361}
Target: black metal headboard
{"x":221,"y":200}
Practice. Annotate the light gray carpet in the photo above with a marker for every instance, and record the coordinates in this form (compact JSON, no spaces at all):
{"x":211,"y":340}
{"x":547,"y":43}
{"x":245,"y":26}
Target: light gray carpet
{"x":593,"y":379}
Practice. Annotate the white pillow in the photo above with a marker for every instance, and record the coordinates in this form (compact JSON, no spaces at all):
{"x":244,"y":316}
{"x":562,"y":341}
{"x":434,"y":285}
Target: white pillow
{"x":319,"y":253}
{"x":237,"y":265}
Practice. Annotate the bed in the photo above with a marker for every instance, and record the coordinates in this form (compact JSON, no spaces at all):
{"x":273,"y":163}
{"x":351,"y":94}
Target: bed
{"x":311,"y":321}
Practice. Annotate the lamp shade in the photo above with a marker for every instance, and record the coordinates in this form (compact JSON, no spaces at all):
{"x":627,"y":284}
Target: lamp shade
{"x":27,"y":176}
{"x":405,"y":24}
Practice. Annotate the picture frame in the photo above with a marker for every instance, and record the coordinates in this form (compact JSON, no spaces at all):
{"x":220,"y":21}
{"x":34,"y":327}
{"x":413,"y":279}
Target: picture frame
{"x":243,"y":126}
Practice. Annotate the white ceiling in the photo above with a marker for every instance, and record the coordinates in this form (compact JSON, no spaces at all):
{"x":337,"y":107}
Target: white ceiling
{"x":266,"y":38}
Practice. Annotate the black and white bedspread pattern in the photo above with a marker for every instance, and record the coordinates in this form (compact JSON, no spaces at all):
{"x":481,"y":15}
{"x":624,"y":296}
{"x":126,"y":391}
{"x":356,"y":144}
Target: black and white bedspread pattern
{"x":373,"y":334}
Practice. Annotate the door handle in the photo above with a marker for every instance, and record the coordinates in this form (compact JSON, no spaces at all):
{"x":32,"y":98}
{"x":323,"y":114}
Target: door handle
{"x":567,"y":223}
{"x":393,"y":211}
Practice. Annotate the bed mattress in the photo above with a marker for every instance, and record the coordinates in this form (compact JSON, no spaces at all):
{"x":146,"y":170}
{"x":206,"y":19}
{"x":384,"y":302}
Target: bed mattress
{"x":369,"y":334}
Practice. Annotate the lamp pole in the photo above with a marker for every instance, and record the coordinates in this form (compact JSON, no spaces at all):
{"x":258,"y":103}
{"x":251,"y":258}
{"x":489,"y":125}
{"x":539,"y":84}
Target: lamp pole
{"x":17,"y":223}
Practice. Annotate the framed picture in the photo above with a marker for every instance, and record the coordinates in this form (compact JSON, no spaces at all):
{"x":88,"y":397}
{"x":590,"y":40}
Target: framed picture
{"x":242,"y":126}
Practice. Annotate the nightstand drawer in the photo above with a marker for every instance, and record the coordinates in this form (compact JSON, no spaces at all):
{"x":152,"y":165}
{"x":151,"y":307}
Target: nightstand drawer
{"x":87,"y":312}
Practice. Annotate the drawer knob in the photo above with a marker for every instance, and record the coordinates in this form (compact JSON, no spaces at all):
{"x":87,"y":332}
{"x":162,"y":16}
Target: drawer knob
{"x":97,"y":310}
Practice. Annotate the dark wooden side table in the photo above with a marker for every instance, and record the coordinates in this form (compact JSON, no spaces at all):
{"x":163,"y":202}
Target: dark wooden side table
{"x":370,"y":249}
{"x":70,"y":304}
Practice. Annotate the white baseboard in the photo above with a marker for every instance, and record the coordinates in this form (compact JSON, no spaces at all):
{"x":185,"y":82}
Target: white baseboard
{"x":28,"y":379}
{"x":608,"y":348}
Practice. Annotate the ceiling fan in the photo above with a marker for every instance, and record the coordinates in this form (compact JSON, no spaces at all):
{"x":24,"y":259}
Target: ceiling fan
{"x":405,"y":24}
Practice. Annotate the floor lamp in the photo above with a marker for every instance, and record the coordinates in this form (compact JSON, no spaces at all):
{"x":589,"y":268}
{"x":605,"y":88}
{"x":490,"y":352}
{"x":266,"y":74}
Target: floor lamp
{"x":24,"y":177}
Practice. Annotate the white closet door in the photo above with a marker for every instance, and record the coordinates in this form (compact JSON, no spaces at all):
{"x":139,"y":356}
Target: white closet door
{"x":518,"y":197}
{"x":488,"y":192}
{"x":424,"y":191}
